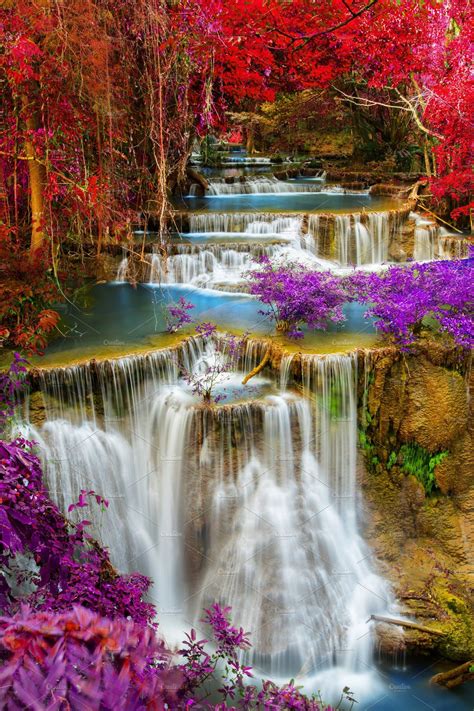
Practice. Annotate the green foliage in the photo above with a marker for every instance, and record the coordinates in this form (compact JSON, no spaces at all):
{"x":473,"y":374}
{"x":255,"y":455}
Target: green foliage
{"x":391,"y":460}
{"x":419,"y":462}
{"x":370,"y":451}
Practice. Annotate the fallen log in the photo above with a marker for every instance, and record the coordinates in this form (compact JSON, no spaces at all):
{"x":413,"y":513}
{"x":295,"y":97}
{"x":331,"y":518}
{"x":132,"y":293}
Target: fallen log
{"x":259,"y":367}
{"x":404,"y":623}
{"x":455,"y":677}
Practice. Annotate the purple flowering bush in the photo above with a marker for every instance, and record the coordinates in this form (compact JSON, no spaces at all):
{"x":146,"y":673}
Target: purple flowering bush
{"x":404,"y":301}
{"x":436,"y":297}
{"x":212,"y":371}
{"x":297,"y":296}
{"x":178,"y":316}
{"x":47,"y":561}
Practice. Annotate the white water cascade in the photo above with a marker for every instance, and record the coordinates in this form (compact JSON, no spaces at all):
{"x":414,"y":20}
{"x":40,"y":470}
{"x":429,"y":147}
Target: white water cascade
{"x":356,"y":239}
{"x":227,"y":245}
{"x":207,"y":265}
{"x":253,"y":504}
{"x":260,"y":186}
{"x":435,"y":242}
{"x":249,"y":223}
{"x":361,"y":243}
{"x":425,"y":241}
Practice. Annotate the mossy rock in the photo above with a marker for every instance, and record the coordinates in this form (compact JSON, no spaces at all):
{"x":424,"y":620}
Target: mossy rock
{"x":458,"y":642}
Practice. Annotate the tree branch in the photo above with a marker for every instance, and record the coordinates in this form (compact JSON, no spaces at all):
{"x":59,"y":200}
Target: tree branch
{"x":309,"y":38}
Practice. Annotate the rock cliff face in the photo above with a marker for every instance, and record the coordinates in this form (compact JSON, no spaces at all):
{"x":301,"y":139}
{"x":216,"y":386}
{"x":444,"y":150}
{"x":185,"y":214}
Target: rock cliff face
{"x":416,"y":433}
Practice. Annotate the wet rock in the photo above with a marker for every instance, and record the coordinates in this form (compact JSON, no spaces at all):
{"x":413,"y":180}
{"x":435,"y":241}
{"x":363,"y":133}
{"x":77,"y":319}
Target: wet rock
{"x":396,"y":252}
{"x":423,"y":542}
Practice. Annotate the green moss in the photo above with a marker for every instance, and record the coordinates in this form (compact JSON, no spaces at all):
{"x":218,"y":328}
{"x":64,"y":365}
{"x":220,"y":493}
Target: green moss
{"x":391,"y":460}
{"x":412,"y":458}
{"x":416,"y":460}
{"x":365,"y":442}
{"x":337,"y":400}
{"x":457,"y":624}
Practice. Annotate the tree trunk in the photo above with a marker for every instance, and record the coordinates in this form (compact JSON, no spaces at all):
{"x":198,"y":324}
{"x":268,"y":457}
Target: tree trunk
{"x":250,"y":143}
{"x":197,"y":177}
{"x":37,"y":180}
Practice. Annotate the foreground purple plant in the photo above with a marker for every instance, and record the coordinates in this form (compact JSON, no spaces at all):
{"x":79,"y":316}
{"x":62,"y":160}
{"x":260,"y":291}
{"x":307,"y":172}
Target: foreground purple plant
{"x":79,"y":660}
{"x":47,"y":561}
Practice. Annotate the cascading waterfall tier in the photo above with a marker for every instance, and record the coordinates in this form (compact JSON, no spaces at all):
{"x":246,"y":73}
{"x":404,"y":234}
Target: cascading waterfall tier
{"x":200,"y":265}
{"x":259,"y":185}
{"x":433,"y":242}
{"x":251,"y":223}
{"x":354,"y":239}
{"x":323,"y":241}
{"x":253,"y":504}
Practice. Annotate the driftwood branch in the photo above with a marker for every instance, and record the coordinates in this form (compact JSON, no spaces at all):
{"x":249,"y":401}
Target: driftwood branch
{"x":440,"y":219}
{"x":259,"y":367}
{"x":404,"y":623}
{"x":455,"y":677}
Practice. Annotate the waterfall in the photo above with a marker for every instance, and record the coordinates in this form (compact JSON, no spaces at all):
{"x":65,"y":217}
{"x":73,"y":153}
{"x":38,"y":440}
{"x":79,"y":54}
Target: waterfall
{"x":379,"y":230}
{"x":252,"y":504}
{"x":451,"y":246}
{"x":425,"y":241}
{"x":122,"y":270}
{"x":250,"y":223}
{"x":435,"y":242}
{"x":200,"y":267}
{"x":362,"y":241}
{"x":259,"y":186}
{"x":203,"y":266}
{"x":342,"y":234}
{"x":246,"y":160}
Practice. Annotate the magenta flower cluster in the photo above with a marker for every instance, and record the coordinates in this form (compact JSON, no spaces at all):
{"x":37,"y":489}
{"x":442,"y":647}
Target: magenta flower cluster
{"x":11,"y":384}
